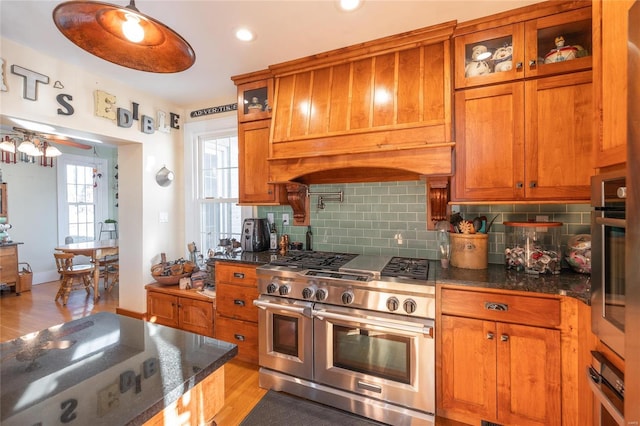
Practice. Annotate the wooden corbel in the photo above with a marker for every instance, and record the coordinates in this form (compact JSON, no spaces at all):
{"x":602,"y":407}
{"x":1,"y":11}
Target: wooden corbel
{"x":437,"y":201}
{"x":299,"y":202}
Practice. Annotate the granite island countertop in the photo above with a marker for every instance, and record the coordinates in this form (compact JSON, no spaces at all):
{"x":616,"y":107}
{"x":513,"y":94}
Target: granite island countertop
{"x":103,"y":369}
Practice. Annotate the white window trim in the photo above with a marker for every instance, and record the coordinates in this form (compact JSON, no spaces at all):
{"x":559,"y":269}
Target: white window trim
{"x":192,"y":134}
{"x":101,"y":194}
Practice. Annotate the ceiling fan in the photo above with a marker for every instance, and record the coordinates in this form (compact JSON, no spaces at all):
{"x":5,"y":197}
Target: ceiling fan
{"x":38,"y":143}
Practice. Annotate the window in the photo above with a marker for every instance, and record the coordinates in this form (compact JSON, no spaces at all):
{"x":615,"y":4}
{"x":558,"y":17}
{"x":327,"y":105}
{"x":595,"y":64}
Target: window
{"x":82,"y":196}
{"x":220,"y":216}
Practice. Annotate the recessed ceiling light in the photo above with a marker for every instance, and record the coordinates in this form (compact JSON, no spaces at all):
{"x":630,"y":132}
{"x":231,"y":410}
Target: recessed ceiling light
{"x":244,"y":34}
{"x":349,"y":5}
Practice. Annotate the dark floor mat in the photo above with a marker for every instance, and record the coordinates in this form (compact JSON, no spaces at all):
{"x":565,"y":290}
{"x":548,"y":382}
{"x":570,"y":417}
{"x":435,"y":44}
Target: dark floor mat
{"x":278,"y":408}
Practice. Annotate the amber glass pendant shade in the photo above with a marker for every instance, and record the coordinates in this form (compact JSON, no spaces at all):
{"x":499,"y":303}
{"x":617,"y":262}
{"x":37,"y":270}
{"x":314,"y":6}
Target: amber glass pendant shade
{"x":102,"y":30}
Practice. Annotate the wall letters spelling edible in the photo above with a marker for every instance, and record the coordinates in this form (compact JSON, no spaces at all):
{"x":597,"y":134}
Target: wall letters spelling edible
{"x":104,"y":104}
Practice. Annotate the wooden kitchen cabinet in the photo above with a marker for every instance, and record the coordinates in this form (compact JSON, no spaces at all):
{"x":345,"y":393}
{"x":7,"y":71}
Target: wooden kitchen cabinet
{"x":500,"y":358}
{"x":183,"y":309}
{"x":610,"y":24}
{"x":525,"y":141}
{"x":236,"y":316}
{"x":9,"y":265}
{"x":523,"y":49}
{"x":255,"y":93}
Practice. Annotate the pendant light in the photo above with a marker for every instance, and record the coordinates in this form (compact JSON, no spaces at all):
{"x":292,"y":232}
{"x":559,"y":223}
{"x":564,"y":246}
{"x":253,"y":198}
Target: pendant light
{"x":123,"y":36}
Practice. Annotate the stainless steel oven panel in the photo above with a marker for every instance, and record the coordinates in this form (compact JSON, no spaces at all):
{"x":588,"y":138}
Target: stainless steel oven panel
{"x":300,"y":363}
{"x":418,"y":393}
{"x":608,"y":202}
{"x":607,"y":385}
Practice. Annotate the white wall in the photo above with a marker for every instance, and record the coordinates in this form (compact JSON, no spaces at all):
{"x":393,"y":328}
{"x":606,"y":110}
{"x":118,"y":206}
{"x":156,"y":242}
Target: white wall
{"x":140,"y":156}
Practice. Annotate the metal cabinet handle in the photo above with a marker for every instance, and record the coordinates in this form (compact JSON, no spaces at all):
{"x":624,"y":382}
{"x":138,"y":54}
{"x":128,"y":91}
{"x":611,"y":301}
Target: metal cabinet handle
{"x":238,"y":275}
{"x":239,"y":337}
{"x":532,"y":62}
{"x":519,"y":65}
{"x":504,"y":338}
{"x":533,"y":184}
{"x":519,"y":185}
{"x":238,"y":302}
{"x":489,"y":336}
{"x":493,"y":306}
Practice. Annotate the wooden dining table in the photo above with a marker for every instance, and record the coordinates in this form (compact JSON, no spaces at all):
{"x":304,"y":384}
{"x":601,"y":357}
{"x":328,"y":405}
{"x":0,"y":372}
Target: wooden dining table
{"x":95,"y":250}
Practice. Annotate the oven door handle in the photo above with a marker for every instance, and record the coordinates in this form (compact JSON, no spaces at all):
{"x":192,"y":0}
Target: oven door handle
{"x":402,"y":326}
{"x":620,"y":223}
{"x":306,"y":310}
{"x":592,"y":377}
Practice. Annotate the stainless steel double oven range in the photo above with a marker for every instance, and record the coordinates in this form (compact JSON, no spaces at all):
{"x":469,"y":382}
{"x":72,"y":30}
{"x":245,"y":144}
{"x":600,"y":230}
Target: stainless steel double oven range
{"x":352,"y":331}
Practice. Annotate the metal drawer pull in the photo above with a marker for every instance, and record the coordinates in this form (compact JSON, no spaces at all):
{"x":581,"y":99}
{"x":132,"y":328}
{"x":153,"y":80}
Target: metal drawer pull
{"x":369,"y":387}
{"x":504,"y":338}
{"x":492,"y":306}
{"x":239,"y":337}
{"x":305,"y":311}
{"x":238,"y":275}
{"x":238,"y":302}
{"x":489,"y":336}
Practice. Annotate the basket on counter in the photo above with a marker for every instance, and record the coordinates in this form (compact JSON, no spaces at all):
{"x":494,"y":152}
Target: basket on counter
{"x":171,"y":273}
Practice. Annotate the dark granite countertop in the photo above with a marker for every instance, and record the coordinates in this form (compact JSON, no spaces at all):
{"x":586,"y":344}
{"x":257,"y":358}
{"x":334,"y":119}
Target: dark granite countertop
{"x":10,"y":243}
{"x":103,"y":369}
{"x":566,"y":283}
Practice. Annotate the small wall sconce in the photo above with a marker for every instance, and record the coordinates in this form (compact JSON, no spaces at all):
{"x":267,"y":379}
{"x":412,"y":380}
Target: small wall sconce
{"x":164,"y":177}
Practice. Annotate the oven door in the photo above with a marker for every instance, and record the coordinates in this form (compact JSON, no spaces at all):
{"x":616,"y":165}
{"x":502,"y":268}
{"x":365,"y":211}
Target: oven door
{"x":285,"y":336}
{"x":607,"y":386}
{"x":383,"y":356}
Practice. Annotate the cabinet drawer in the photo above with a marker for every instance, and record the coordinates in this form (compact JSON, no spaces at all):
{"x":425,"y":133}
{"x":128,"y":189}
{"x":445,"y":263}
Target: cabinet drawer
{"x":236,"y":274}
{"x":242,"y":333}
{"x":501,"y":307}
{"x":236,"y":301}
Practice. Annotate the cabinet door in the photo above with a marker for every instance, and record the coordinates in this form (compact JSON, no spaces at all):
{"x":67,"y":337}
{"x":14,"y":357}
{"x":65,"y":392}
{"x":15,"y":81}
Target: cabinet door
{"x":559,"y":137}
{"x":242,"y":333}
{"x":253,"y":151}
{"x":9,"y":264}
{"x":544,"y":54}
{"x":489,"y":143}
{"x":162,"y":308}
{"x":468,"y":367}
{"x":196,"y":316}
{"x":610,"y":80}
{"x":254,"y":100}
{"x":490,"y":56}
{"x":528,"y":375}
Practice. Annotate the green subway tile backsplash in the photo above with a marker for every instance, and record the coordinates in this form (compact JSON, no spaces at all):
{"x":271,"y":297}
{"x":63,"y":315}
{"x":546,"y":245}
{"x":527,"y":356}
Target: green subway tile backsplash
{"x":389,"y":218}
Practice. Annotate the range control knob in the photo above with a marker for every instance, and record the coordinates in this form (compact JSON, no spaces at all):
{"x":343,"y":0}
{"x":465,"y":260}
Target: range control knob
{"x":393,"y":304}
{"x":347,"y":297}
{"x":321,"y":294}
{"x":308,"y":292}
{"x":272,"y":288}
{"x":284,"y":290}
{"x":409,"y":306}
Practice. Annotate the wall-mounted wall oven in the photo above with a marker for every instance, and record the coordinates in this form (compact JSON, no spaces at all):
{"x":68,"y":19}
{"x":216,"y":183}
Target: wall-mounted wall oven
{"x":608,"y":228}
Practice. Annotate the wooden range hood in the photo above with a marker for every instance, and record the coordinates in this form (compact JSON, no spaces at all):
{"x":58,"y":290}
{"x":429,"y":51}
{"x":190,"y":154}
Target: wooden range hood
{"x":376,"y":111}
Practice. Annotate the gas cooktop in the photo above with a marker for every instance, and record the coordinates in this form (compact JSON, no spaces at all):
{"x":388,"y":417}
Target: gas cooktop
{"x":374,"y":266}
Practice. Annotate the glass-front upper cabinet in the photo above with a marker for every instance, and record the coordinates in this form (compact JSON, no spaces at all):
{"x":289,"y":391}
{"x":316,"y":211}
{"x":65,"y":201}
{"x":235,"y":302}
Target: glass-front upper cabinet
{"x":552,"y":44}
{"x":254,"y":100}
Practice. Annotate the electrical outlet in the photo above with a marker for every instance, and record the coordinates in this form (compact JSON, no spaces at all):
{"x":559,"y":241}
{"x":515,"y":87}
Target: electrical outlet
{"x":285,"y":219}
{"x":108,"y":399}
{"x":270,"y":218}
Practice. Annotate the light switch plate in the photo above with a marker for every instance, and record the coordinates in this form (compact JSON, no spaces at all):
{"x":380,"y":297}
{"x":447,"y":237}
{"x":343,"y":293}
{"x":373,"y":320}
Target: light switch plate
{"x":164,"y":217}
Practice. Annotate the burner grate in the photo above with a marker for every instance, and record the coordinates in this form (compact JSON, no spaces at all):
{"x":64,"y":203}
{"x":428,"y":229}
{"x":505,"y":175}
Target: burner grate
{"x":314,"y":260}
{"x":406,"y":267}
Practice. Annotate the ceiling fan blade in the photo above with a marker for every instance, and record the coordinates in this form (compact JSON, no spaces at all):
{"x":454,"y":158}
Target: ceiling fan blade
{"x":62,"y":140}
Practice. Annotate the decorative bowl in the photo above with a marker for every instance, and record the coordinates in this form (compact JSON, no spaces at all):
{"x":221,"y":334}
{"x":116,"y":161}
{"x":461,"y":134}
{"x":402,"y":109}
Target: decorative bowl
{"x":169,"y":279}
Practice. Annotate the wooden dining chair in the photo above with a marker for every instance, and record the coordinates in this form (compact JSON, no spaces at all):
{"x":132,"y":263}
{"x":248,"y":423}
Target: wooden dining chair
{"x":73,"y":277}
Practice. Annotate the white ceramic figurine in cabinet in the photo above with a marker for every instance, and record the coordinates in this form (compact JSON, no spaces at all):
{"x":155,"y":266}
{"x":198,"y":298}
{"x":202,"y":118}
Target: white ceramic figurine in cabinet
{"x":478,"y":65}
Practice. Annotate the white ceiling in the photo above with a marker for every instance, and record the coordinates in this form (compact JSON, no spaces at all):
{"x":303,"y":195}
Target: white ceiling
{"x":286,"y":30}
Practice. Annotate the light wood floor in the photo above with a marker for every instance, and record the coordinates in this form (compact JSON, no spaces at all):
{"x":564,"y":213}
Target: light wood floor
{"x":35,"y":310}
